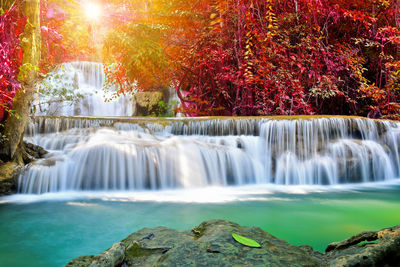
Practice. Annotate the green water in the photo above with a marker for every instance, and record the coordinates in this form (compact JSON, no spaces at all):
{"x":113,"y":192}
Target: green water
{"x":51,"y":231}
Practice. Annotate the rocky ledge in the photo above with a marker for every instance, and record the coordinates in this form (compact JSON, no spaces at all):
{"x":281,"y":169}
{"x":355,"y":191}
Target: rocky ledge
{"x":8,"y":178}
{"x":211,"y":244}
{"x":9,"y":171}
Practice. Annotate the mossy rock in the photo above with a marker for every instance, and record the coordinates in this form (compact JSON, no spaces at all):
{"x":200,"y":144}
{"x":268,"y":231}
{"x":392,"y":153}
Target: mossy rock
{"x":372,"y":248}
{"x":209,"y":244}
{"x":146,"y":103}
{"x":8,"y":178}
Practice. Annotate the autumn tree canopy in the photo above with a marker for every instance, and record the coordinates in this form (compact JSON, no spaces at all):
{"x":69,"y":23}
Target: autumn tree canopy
{"x":234,"y":57}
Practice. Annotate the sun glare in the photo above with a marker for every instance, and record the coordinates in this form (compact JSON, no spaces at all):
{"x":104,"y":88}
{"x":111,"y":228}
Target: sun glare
{"x":92,"y":10}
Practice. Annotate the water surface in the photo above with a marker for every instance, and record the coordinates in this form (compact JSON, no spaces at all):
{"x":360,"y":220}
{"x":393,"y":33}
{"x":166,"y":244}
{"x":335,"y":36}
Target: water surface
{"x":49,"y":230}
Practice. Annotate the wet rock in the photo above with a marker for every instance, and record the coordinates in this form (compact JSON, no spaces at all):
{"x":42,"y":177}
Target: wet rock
{"x":209,"y":244}
{"x":239,"y":143}
{"x":35,"y":150}
{"x":312,"y":252}
{"x":32,"y":152}
{"x":48,"y":162}
{"x":350,"y":170}
{"x":383,"y":251}
{"x":111,"y":257}
{"x":8,"y":178}
{"x":82,"y":261}
{"x":9,"y":171}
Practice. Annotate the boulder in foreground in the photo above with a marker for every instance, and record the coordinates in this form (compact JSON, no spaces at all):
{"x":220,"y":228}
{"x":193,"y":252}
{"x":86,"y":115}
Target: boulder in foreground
{"x":211,"y":244}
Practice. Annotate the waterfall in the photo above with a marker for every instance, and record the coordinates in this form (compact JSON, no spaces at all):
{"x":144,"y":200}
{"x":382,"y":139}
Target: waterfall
{"x":154,"y":153}
{"x":76,"y":89}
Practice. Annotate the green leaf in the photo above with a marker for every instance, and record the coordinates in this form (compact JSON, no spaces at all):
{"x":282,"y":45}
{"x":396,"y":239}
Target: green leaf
{"x":365,"y":242}
{"x":213,"y":15}
{"x":246,"y":241}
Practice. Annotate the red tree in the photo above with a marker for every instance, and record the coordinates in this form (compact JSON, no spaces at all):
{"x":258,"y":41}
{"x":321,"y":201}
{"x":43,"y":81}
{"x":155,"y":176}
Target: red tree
{"x":12,"y":25}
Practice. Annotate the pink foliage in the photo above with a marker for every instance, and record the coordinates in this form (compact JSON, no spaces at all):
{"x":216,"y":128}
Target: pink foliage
{"x":12,"y":25}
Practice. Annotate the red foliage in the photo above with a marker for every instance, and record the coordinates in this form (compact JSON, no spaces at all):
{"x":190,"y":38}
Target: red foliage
{"x":66,"y":36}
{"x":12,"y":25}
{"x":54,"y":50}
{"x":240,"y":57}
{"x":115,"y":76}
{"x":293,"y":57}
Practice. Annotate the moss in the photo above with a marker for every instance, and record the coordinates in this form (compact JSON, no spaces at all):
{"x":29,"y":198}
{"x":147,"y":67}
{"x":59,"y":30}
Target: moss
{"x":198,"y":231}
{"x":81,"y":261}
{"x":136,"y":250}
{"x":8,"y":178}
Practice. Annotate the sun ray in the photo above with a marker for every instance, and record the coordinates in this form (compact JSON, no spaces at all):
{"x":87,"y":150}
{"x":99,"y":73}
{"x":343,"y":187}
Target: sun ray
{"x":93,"y":11}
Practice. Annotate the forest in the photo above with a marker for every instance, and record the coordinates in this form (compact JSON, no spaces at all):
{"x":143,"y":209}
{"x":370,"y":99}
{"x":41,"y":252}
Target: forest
{"x":268,"y":129}
{"x":228,"y":57}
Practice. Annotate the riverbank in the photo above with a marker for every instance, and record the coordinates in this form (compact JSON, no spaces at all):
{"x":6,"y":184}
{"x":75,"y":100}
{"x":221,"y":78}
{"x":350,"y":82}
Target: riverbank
{"x":9,"y":171}
{"x":211,"y":244}
{"x":87,"y":223}
{"x":8,"y":179}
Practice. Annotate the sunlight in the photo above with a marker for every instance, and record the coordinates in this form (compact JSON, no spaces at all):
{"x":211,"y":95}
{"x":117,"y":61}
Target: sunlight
{"x":93,"y":11}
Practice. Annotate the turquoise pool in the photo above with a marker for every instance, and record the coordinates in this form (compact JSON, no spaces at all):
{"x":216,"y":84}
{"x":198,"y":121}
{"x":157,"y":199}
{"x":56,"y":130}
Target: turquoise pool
{"x":49,"y":230}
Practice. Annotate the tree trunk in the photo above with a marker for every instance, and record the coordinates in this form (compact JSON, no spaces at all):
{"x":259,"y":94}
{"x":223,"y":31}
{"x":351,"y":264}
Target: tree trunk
{"x":15,"y":125}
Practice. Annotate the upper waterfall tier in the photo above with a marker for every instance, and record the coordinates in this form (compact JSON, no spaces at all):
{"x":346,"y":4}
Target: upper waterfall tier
{"x":77,"y":88}
{"x":153,"y":153}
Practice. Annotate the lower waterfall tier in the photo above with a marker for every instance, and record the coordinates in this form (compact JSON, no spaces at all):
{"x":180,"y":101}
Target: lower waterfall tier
{"x":140,"y":155}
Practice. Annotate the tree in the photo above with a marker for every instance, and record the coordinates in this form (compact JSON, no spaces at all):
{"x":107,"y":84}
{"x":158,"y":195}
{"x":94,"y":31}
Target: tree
{"x":12,"y":24}
{"x":12,"y":141}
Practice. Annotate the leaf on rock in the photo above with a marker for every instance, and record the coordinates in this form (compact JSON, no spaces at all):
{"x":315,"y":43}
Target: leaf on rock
{"x":365,"y":242}
{"x":246,"y":241}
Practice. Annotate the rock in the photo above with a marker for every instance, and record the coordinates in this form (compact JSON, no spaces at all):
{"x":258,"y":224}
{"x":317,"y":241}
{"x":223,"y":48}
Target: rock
{"x":146,"y":103}
{"x":35,"y":150}
{"x":312,"y":252}
{"x":209,"y":244}
{"x":385,"y":252}
{"x":354,"y":240}
{"x":8,"y":178}
{"x":82,"y":261}
{"x":112,"y":257}
{"x":9,"y":171}
{"x":32,"y":152}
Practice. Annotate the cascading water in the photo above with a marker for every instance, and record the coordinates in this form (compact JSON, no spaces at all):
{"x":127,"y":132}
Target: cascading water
{"x":149,"y":153}
{"x":76,"y":89}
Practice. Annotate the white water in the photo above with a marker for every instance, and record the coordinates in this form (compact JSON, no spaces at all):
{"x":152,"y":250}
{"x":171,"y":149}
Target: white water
{"x":116,"y":154}
{"x":209,"y":194}
{"x":87,"y":79}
